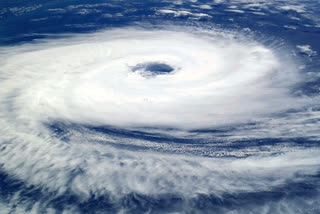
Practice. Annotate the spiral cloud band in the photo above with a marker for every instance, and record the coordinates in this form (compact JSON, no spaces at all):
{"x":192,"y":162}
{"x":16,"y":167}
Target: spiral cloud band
{"x":115,"y":78}
{"x":74,"y":110}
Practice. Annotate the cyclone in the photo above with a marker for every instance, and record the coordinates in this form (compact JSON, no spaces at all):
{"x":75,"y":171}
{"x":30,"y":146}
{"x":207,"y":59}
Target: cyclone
{"x":154,"y":118}
{"x":115,"y":78}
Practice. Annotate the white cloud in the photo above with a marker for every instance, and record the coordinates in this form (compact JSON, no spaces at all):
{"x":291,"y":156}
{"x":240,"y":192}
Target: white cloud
{"x":18,"y":11}
{"x":297,"y":8}
{"x":306,"y":49}
{"x":235,"y":11}
{"x":182,"y":13}
{"x":205,"y":7}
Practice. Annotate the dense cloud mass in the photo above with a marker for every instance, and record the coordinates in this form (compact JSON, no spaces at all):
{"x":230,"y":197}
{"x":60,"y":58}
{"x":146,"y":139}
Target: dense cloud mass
{"x":159,"y":118}
{"x":91,"y":79}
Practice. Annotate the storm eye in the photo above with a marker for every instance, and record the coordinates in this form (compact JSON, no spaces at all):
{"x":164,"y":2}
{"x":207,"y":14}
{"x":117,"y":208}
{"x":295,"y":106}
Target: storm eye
{"x":152,"y":69}
{"x":158,"y":68}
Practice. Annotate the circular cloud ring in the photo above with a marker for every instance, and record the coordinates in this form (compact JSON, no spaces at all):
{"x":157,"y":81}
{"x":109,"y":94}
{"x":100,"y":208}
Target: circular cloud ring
{"x":216,"y":79}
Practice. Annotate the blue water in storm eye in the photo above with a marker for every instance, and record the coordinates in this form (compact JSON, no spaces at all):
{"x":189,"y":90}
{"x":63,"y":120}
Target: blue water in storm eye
{"x":153,"y":69}
{"x":158,"y":68}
